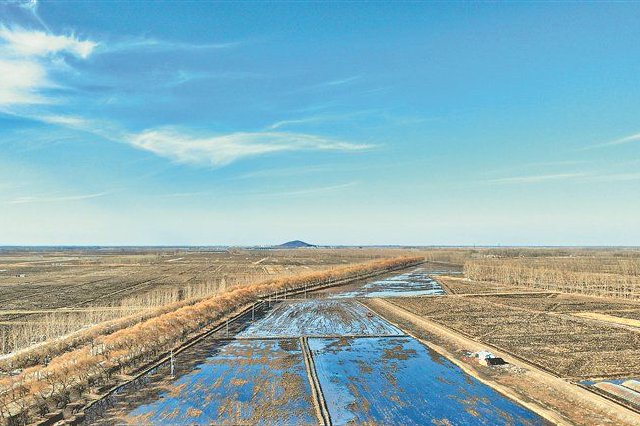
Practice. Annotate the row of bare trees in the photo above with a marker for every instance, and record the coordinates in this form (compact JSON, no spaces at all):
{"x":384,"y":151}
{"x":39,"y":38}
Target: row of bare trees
{"x":38,"y":328}
{"x":41,"y":388}
{"x":619,"y":278}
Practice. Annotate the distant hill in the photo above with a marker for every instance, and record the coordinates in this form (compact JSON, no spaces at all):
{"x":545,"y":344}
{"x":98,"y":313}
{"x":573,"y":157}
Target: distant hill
{"x":295,"y":244}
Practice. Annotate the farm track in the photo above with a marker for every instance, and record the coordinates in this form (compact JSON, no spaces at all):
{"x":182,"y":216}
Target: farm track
{"x":320,"y":404}
{"x":372,"y":405}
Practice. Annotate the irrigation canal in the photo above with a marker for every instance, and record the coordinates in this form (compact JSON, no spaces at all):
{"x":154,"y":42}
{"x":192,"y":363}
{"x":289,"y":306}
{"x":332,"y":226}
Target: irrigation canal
{"x":325,"y":359}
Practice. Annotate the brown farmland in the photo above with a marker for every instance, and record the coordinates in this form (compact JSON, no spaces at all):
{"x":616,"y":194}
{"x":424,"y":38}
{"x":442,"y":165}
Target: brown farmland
{"x":45,"y":294}
{"x":548,"y":330}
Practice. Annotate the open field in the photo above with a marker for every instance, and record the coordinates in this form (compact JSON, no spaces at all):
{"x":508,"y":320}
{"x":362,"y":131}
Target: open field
{"x":398,"y":380}
{"x":45,"y":294}
{"x":240,"y":382}
{"x":260,"y":310}
{"x":77,"y":373}
{"x":319,"y":318}
{"x":548,"y":330}
{"x":557,"y":399}
{"x":360,"y":370}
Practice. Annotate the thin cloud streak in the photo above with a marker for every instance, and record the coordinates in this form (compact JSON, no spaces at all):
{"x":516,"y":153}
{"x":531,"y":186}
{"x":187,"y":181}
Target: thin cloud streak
{"x":536,"y":178}
{"x":616,"y":177}
{"x":341,"y":81}
{"x":621,"y":141}
{"x":155,"y":45}
{"x":320,"y":119}
{"x":308,"y":191}
{"x":224,"y":149}
{"x":284,"y":172}
{"x":294,"y":192}
{"x":627,"y":139}
{"x":577,"y":177}
{"x":30,"y":199}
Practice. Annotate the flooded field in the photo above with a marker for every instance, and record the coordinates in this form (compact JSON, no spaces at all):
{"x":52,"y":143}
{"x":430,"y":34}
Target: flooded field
{"x":238,"y":382}
{"x":414,"y":283}
{"x":626,"y":391}
{"x":292,"y":360}
{"x":319,"y":317}
{"x":400,"y":381}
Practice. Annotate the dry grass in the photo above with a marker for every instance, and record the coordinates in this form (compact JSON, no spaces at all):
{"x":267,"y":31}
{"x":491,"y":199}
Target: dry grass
{"x":68,"y":375}
{"x":542,"y":329}
{"x":105,"y":285}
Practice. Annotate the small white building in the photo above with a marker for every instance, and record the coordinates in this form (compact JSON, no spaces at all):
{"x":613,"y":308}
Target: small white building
{"x":482,"y":355}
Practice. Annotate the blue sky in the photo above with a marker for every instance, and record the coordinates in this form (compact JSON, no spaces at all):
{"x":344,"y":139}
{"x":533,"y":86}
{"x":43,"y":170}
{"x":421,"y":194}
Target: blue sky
{"x":335,"y":123}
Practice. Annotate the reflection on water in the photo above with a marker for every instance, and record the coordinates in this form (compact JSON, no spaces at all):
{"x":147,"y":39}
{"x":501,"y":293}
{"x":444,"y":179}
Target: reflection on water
{"x":240,"y":382}
{"x":399,"y":381}
{"x":366,"y":379}
{"x":414,"y":283}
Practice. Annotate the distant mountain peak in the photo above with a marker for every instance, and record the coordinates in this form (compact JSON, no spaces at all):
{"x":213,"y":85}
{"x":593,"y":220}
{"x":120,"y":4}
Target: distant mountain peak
{"x":295,"y":244}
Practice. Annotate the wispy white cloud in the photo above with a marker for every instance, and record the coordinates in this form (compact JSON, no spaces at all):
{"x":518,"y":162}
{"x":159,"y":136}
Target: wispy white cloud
{"x":20,"y":81}
{"x":341,"y":81}
{"x":324,"y":85}
{"x":320,"y":118}
{"x":579,"y":177}
{"x":224,"y":149}
{"x":268,"y":193}
{"x":536,"y":178}
{"x":620,"y":141}
{"x":24,"y":4}
{"x":156,"y":45}
{"x":38,"y":199}
{"x":26,"y":56}
{"x":22,"y":42}
{"x":286,"y":172}
{"x":308,"y":191}
{"x":616,"y":177}
{"x":381,"y":116}
{"x":626,"y":139}
{"x":65,"y":120}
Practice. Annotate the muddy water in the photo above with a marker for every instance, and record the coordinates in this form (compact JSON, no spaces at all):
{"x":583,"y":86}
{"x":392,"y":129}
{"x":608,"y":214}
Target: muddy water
{"x":417,"y":282}
{"x":399,"y":381}
{"x":369,"y":372}
{"x":315,"y":317}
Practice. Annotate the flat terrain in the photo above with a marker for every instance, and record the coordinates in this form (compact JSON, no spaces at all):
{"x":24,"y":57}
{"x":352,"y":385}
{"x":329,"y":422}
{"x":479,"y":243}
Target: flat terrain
{"x":78,"y":277}
{"x":360,"y":369}
{"x":319,"y":318}
{"x":559,"y":400}
{"x":414,"y":283}
{"x":548,"y":330}
{"x":396,"y":349}
{"x":400,"y":381}
{"x":239,"y":382}
{"x":47,"y":293}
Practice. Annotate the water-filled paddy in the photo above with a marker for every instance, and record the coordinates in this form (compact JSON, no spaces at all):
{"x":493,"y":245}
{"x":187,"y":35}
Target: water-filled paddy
{"x":319,"y":317}
{"x":414,"y":283}
{"x":399,"y":381}
{"x":240,"y":382}
{"x":369,"y":373}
